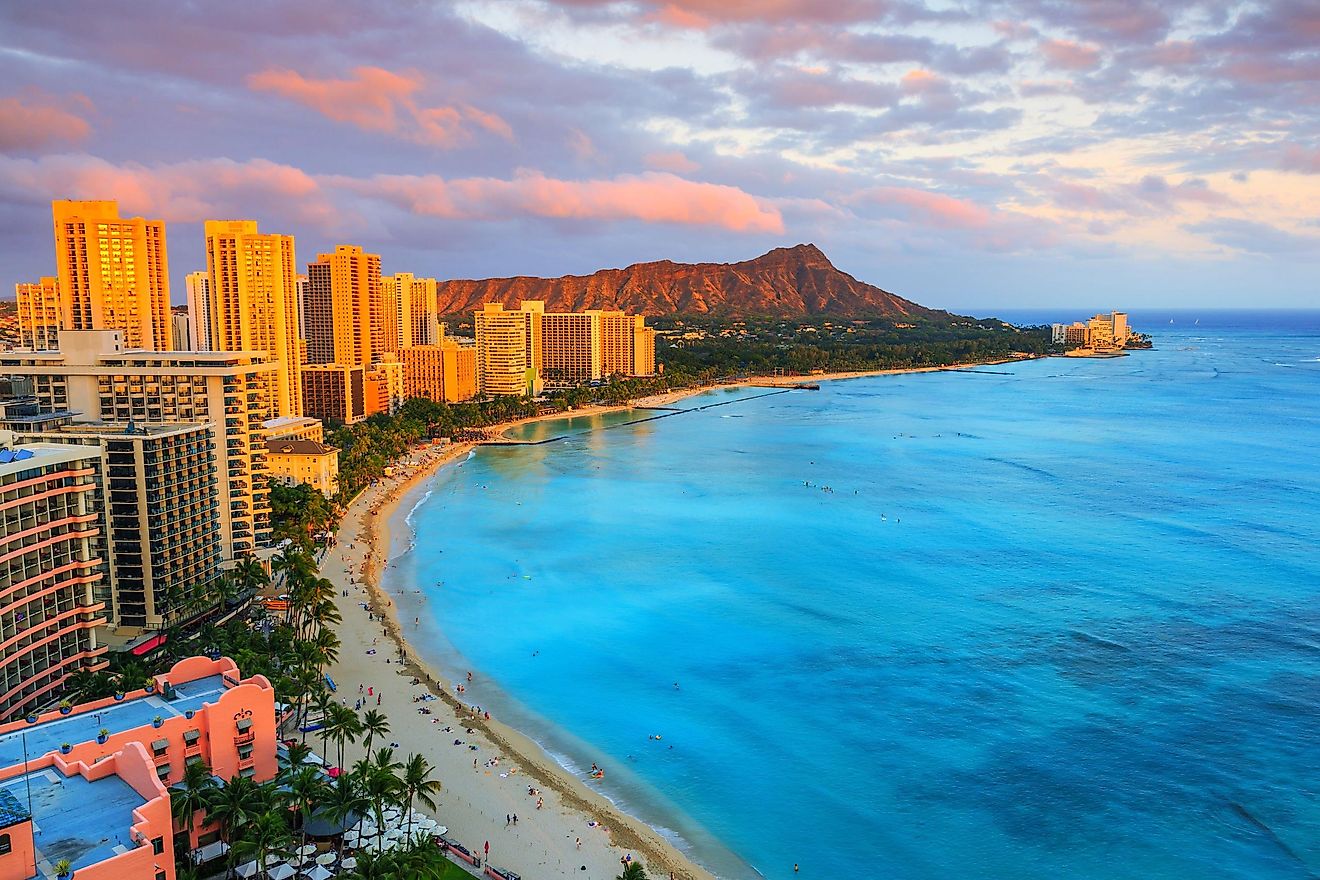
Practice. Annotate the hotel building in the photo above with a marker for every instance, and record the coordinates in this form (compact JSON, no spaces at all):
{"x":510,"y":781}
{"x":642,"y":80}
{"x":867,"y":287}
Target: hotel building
{"x":181,"y":333}
{"x":50,"y":568}
{"x":344,"y":316}
{"x":335,"y":392}
{"x":102,"y":802}
{"x":113,"y":273}
{"x":253,"y":296}
{"x":199,"y":309}
{"x":99,"y":380}
{"x":160,"y":515}
{"x":445,"y":373}
{"x":571,"y":347}
{"x":304,"y":461}
{"x":38,"y":314}
{"x":413,"y":302}
{"x":509,"y":348}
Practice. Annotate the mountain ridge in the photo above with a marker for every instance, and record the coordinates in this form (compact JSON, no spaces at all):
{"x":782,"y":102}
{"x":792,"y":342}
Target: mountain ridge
{"x":783,"y":282}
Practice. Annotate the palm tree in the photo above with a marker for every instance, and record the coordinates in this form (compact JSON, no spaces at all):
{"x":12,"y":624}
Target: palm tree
{"x":632,"y":871}
{"x":374,"y":724}
{"x":191,"y":795}
{"x":342,"y":725}
{"x":344,"y":801}
{"x":297,"y":755}
{"x":267,"y":834}
{"x":307,"y":789}
{"x":236,"y":805}
{"x":418,"y":785}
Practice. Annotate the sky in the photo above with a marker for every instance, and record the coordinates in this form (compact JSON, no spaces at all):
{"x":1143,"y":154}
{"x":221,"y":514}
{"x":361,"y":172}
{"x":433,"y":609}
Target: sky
{"x":967,"y":154}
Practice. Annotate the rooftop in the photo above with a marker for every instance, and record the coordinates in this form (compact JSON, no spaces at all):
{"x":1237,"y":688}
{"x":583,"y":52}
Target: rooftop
{"x":299,"y":447}
{"x":48,"y":736}
{"x":15,"y":459}
{"x":76,"y":819}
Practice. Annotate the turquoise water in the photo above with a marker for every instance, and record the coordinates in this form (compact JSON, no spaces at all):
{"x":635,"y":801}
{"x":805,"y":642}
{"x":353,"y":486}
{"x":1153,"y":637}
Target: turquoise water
{"x":1058,"y":623}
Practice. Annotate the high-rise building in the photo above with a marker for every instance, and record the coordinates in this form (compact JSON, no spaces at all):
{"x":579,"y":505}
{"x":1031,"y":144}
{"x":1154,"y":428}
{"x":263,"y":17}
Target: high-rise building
{"x":38,"y":314}
{"x":181,"y":333}
{"x":335,"y":392}
{"x":571,"y":350}
{"x":344,"y":310}
{"x":113,"y":272}
{"x":254,"y":304}
{"x":415,"y":302}
{"x":385,"y":386}
{"x":391,"y":317}
{"x":445,"y":373}
{"x":49,"y":567}
{"x":161,"y":519}
{"x":509,"y":348}
{"x":643,"y":348}
{"x":94,"y":376}
{"x":199,"y":309}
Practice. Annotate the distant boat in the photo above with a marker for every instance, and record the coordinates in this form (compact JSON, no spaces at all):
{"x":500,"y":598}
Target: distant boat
{"x":1171,"y":320}
{"x":1197,"y":321}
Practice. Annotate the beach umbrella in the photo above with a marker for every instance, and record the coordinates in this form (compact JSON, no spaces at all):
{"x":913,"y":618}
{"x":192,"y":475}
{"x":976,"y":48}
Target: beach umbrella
{"x":272,"y":858}
{"x":317,"y":873}
{"x":326,"y":859}
{"x":307,"y":849}
{"x":246,"y":870}
{"x":282,"y":871}
{"x":349,"y":863}
{"x":441,"y":829}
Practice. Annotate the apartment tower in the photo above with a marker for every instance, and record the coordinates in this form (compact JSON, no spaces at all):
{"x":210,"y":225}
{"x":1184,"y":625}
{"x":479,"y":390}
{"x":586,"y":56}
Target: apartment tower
{"x":344,"y":310}
{"x":113,"y":273}
{"x":199,"y":309}
{"x":38,"y":314}
{"x":414,"y":301}
{"x":509,"y":348}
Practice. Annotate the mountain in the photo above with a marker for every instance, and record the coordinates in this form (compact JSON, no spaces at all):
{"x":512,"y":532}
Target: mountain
{"x":785,"y":282}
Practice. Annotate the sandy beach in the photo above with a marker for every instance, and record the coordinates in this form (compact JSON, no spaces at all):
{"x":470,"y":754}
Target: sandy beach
{"x":478,"y":794}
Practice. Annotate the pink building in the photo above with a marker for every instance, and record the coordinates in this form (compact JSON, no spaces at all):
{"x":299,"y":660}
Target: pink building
{"x":201,"y":710}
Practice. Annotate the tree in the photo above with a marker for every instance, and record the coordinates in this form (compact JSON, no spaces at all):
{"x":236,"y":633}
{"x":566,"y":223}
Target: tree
{"x":342,"y":725}
{"x":236,"y":806}
{"x":344,"y":801}
{"x":267,"y":834}
{"x":307,"y":790}
{"x":374,"y":724}
{"x":192,"y":795}
{"x":632,"y":871}
{"x":418,"y":785}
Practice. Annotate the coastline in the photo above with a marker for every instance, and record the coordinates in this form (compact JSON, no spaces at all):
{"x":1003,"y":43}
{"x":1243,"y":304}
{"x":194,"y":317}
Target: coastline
{"x":573,"y":811}
{"x":544,"y":844}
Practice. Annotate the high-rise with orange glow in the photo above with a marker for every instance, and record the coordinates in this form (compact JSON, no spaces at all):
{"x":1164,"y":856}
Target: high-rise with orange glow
{"x":253,"y":298}
{"x":113,"y":273}
{"x":415,"y":303}
{"x":344,"y":309}
{"x":39,"y":314}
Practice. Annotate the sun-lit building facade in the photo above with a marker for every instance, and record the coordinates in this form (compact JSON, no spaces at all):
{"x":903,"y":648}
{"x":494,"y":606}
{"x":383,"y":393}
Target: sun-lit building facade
{"x":445,"y":373}
{"x":509,"y":348}
{"x":38,"y":313}
{"x":344,"y":317}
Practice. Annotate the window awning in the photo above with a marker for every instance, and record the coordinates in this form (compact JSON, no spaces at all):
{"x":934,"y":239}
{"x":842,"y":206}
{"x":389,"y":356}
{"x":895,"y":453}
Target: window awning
{"x":244,"y":725}
{"x":160,"y":744}
{"x":191,"y":736}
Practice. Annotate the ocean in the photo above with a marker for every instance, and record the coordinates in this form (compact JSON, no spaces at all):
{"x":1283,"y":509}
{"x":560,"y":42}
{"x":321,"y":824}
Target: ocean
{"x":1051,"y":619}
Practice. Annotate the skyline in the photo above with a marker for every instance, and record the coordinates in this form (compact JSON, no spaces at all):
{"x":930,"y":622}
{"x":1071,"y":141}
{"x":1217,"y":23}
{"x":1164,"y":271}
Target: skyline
{"x":969,"y":156}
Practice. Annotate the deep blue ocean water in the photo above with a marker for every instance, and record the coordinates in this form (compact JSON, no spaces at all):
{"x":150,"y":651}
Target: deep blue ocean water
{"x":1063,"y":622}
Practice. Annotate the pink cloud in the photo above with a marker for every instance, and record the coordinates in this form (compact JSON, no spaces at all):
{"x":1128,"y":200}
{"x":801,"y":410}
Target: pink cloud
{"x":932,"y":209}
{"x":185,"y":192}
{"x":1070,"y":55}
{"x":36,"y":119}
{"x":1296,"y":158}
{"x":673,"y":161}
{"x":379,"y":100}
{"x":650,"y":198}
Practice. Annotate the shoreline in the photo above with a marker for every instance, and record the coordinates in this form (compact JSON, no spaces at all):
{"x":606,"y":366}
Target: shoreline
{"x":366,"y":528}
{"x":569,"y":804}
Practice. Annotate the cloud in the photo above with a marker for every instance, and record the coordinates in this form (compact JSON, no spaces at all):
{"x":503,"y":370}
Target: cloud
{"x":379,"y":100}
{"x":927,"y":208}
{"x":1070,"y":55}
{"x":654,"y":197}
{"x":35,"y":120}
{"x":1256,"y":238}
{"x":671,"y":161}
{"x":1296,"y":158}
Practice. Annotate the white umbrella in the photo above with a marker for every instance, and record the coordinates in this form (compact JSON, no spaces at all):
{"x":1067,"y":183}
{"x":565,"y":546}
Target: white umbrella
{"x":317,"y":873}
{"x":282,"y":871}
{"x":307,"y":849}
{"x":441,"y":829}
{"x":326,"y":859}
{"x":272,"y":858}
{"x":246,"y":870}
{"x":349,"y":863}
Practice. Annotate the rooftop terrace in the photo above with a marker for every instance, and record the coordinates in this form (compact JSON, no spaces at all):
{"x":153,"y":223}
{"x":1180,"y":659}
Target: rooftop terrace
{"x":48,"y":736}
{"x":72,"y":818}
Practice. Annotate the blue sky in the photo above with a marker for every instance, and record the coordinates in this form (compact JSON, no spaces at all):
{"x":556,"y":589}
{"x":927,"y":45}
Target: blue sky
{"x":968,"y":155}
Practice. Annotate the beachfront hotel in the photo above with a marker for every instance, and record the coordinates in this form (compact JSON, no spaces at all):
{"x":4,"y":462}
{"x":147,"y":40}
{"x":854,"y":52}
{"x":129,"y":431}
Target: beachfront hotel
{"x":198,"y":285}
{"x":1102,"y":333}
{"x":38,"y":313}
{"x":51,"y":570}
{"x":253,"y":304}
{"x":101,"y":800}
{"x":445,"y":372}
{"x":410,"y":311}
{"x":112,"y":273}
{"x":304,"y":461}
{"x":96,"y":378}
{"x":343,"y":309}
{"x":335,"y":392}
{"x":509,"y":349}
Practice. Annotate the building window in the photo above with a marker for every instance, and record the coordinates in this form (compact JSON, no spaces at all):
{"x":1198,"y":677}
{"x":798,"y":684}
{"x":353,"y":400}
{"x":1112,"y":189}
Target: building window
{"x":5,"y":845}
{"x":158,"y":845}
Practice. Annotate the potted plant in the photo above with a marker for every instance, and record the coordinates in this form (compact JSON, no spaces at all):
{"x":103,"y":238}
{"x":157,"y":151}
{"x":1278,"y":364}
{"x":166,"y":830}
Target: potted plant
{"x":188,"y":713}
{"x":65,"y":707}
{"x":32,"y":718}
{"x":63,"y":868}
{"x":119,"y":695}
{"x":103,"y":735}
{"x":151,"y":686}
{"x":157,"y":721}
{"x":65,"y":748}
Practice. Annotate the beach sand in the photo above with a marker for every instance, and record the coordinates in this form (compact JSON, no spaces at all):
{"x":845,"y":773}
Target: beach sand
{"x":476,"y":799}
